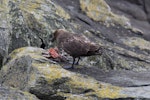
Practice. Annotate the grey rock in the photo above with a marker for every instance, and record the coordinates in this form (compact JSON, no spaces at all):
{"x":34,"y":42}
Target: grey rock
{"x":7,"y":93}
{"x":136,"y":10}
{"x":118,"y":78}
{"x":21,"y":27}
{"x":126,"y":49}
{"x":23,"y":23}
{"x":147,"y":9}
{"x":26,"y":69}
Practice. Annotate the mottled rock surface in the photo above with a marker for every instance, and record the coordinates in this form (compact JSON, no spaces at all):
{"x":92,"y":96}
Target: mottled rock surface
{"x":14,"y":94}
{"x":27,"y":70}
{"x":138,"y":11}
{"x":98,"y":10}
{"x":25,"y":23}
{"x":121,"y":26}
{"x":28,"y":23}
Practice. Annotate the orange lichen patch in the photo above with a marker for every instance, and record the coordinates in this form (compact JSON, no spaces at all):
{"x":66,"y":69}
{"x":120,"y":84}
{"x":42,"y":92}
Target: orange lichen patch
{"x":54,"y":53}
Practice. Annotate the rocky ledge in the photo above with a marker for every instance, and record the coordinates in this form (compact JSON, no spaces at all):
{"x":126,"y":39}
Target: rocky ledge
{"x":121,"y":72}
{"x":27,"y":70}
{"x":31,"y":23}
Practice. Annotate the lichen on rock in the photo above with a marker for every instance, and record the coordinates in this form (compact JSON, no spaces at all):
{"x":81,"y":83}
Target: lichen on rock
{"x":8,"y":93}
{"x":98,"y":10}
{"x":29,"y":22}
{"x":26,"y":69}
{"x":29,"y":75}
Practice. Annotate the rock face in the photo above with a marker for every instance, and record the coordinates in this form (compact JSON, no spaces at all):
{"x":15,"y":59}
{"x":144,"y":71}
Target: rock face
{"x":23,"y":23}
{"x":98,"y":10}
{"x":121,"y":26}
{"x":126,"y":46}
{"x":29,"y":71}
{"x":138,"y":11}
{"x":14,"y":94}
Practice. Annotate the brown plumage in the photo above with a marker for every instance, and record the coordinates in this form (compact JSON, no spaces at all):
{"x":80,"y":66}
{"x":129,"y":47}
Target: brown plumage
{"x":76,"y":45}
